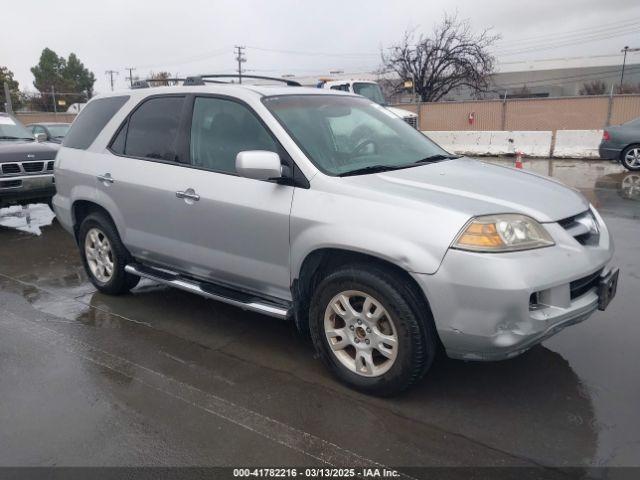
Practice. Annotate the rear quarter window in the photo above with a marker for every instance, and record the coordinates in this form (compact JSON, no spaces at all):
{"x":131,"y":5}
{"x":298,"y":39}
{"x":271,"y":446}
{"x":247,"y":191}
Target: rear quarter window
{"x":92,"y":120}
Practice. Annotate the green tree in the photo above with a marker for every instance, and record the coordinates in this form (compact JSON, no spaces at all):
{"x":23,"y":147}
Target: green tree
{"x":68,"y":77}
{"x":80,"y":77}
{"x":6,"y":75}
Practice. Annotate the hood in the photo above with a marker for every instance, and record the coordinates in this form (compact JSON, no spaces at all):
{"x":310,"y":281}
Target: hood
{"x":401,"y":112}
{"x":477,"y":188}
{"x":21,"y":151}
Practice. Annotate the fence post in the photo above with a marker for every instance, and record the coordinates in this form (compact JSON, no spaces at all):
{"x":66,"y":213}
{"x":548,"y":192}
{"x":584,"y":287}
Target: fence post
{"x":610,"y":108}
{"x":504,"y":111}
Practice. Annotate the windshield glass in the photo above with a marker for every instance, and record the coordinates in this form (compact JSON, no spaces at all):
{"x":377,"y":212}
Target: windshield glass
{"x":58,"y":131}
{"x":371,"y":91}
{"x":342,"y":134}
{"x":11,"y":129}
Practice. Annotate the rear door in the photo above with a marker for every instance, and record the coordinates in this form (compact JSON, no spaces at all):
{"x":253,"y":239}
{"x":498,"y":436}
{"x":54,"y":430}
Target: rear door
{"x":234,"y":230}
{"x":137,"y":180}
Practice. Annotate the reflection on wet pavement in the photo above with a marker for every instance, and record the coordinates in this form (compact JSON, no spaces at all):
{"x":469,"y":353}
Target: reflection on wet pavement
{"x":571,"y":401}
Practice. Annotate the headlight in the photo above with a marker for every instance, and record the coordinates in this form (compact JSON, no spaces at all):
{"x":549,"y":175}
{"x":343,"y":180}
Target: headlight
{"x":502,"y":233}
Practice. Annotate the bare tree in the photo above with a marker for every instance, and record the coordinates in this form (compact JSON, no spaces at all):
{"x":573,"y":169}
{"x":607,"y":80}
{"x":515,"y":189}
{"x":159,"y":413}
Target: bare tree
{"x":161,"y":79}
{"x":595,"y":87}
{"x":452,"y":56}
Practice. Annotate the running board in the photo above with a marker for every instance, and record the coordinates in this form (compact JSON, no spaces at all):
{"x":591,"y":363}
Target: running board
{"x":209,"y":290}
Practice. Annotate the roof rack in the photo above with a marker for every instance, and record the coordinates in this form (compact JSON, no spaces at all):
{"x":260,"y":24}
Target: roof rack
{"x":204,"y":79}
{"x":207,"y":77}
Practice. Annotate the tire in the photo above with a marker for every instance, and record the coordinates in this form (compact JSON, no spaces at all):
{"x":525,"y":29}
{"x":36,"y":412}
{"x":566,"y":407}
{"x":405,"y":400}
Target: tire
{"x":630,"y":158}
{"x":403,"y":318}
{"x":103,"y":261}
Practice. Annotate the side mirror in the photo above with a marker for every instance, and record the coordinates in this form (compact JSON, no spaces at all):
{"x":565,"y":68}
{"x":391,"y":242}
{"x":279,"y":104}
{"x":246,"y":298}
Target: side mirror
{"x":40,"y":137}
{"x":259,"y":165}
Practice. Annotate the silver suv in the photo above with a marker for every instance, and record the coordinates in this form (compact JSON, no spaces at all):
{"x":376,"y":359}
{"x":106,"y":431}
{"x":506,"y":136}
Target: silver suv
{"x":324,"y":208}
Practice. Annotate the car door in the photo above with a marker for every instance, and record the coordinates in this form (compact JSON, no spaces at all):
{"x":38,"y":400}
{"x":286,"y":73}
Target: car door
{"x":137,"y":179}
{"x":234,"y":230}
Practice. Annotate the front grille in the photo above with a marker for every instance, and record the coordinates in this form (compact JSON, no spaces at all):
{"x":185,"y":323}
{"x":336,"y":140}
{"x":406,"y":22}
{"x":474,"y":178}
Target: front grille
{"x":583,"y":285}
{"x":10,"y":168}
{"x":413,"y":121}
{"x":10,"y":183}
{"x":50,"y":166}
{"x":582,"y":227}
{"x":33,"y":167}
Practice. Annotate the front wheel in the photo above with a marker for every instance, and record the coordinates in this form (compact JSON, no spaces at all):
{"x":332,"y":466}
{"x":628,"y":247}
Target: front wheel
{"x":368,"y":328}
{"x":631,"y":158}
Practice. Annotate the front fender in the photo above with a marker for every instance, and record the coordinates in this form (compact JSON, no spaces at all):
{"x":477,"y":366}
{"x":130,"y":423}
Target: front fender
{"x":408,"y":255}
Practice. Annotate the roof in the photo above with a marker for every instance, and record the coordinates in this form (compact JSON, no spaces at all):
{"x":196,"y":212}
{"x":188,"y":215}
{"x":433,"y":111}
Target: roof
{"x":234,"y":89}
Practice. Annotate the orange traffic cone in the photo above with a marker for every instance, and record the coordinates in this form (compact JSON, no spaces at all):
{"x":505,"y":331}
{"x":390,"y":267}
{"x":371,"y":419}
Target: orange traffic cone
{"x":518,"y":163}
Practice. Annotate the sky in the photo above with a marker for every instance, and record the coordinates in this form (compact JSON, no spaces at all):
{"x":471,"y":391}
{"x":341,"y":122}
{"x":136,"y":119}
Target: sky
{"x":294,"y":37}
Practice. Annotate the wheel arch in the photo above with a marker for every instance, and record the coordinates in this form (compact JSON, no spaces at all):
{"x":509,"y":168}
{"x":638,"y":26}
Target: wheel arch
{"x":81,"y":209}
{"x":322,"y":261}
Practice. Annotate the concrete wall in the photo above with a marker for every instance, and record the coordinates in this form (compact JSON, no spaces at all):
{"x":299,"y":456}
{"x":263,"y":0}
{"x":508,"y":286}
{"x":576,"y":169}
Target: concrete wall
{"x":532,"y":144}
{"x":577,"y":143}
{"x":44,"y":117}
{"x":568,"y":143}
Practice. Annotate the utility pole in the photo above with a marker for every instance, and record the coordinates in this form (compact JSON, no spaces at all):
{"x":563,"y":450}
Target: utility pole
{"x":111,"y":73}
{"x":624,"y":61}
{"x":130,"y":77}
{"x":241,"y":59}
{"x":8,"y":106}
{"x":53,"y":95}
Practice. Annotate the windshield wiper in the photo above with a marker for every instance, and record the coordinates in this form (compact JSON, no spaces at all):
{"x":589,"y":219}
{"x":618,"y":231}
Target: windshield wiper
{"x":437,"y":157}
{"x":370,"y":169}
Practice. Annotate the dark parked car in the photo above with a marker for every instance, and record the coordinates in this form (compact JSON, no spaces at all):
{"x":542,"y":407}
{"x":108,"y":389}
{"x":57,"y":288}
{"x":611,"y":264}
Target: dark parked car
{"x":622,"y":143}
{"x":26,"y":166}
{"x":55,"y":132}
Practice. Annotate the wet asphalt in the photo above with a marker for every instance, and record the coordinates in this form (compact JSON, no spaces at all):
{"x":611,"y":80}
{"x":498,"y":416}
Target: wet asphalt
{"x":163,"y":377}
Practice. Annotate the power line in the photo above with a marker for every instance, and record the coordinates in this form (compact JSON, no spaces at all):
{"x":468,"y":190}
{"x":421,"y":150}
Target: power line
{"x":307,"y":53}
{"x":574,"y":33}
{"x":567,"y":43}
{"x":240,"y":59}
{"x":111,"y":73}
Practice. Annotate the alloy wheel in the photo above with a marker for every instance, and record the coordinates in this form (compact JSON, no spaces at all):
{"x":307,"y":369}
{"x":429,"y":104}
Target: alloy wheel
{"x":361,"y":333}
{"x":632,"y":157}
{"x":99,"y":255}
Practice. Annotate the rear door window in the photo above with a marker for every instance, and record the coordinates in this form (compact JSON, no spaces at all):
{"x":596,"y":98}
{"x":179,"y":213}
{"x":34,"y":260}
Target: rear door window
{"x":152,"y":130}
{"x":92,"y":120}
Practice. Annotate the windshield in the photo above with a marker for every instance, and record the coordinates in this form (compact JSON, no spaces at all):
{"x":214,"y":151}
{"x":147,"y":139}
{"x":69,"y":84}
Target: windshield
{"x":371,"y":91}
{"x":58,"y":131}
{"x":342,"y":134}
{"x":11,"y":129}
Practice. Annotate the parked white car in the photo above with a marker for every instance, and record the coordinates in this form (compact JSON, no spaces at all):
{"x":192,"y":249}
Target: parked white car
{"x":373,"y":92}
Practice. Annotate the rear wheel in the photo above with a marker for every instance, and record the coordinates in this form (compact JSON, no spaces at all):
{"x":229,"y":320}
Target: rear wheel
{"x":369,"y":330}
{"x":104,"y":256}
{"x":631,"y":158}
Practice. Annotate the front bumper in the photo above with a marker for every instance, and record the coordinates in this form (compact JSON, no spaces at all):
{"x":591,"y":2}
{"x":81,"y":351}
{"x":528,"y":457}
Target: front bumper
{"x":482,"y":303}
{"x":25,"y":189}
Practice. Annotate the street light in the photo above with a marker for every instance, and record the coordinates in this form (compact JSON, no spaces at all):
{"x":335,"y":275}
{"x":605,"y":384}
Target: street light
{"x":624,"y":61}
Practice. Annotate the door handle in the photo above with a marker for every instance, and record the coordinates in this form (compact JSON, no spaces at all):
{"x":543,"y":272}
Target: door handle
{"x":106,"y":178}
{"x":188,"y":194}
